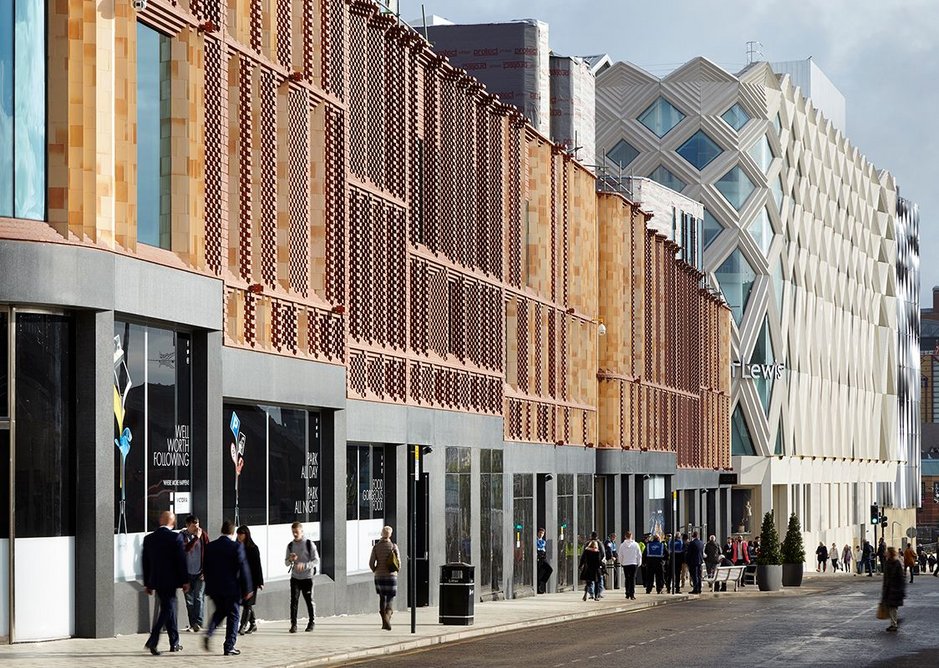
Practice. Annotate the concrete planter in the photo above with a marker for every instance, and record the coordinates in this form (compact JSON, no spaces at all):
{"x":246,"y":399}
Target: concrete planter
{"x":792,"y":575}
{"x":769,"y":578}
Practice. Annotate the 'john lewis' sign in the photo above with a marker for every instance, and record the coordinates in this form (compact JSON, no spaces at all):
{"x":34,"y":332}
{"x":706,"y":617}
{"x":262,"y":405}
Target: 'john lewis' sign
{"x":770,"y":371}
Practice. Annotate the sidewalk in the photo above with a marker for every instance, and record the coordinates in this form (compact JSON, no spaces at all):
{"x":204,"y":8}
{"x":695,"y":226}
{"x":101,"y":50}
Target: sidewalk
{"x":337,"y":639}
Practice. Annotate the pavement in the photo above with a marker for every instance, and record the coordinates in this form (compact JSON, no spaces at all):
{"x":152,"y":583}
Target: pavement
{"x":346,"y":638}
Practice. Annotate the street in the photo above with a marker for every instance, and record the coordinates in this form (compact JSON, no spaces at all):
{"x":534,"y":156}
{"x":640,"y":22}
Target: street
{"x":831,"y":622}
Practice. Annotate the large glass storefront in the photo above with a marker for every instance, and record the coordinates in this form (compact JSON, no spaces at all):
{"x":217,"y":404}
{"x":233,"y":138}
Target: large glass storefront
{"x":523,"y":533}
{"x":365,"y":502}
{"x":458,"y":505}
{"x":566,"y":546}
{"x":271,"y":476}
{"x":491,"y":520}
{"x":37,"y":437}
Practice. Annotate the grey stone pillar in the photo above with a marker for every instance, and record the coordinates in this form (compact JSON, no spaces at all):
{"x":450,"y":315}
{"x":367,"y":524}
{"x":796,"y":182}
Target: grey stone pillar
{"x":94,"y":499}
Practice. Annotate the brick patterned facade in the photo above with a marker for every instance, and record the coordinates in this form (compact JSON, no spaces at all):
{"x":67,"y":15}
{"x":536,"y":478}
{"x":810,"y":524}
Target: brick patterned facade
{"x":368,"y":205}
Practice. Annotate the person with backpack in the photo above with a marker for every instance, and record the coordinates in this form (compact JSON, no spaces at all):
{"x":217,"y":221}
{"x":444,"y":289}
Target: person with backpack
{"x":303,"y":561}
{"x":385,"y":563}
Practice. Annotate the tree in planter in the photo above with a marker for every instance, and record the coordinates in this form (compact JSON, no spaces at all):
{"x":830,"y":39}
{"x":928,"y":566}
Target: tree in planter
{"x":793,"y":551}
{"x":769,"y":542}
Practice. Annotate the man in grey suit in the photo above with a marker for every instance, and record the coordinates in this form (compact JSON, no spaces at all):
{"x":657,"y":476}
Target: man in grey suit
{"x":227,"y":582}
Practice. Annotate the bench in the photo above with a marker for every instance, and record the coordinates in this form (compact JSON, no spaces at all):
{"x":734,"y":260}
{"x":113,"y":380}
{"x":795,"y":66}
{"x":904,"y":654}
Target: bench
{"x":723,"y":574}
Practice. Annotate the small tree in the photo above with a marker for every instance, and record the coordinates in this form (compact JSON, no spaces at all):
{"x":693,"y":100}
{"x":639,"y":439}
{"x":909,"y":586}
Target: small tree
{"x":793,"y":551}
{"x":769,"y":542}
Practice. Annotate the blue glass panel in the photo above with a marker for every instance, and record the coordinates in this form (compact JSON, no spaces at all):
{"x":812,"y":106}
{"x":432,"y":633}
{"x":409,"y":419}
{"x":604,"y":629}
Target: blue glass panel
{"x":735,"y":277}
{"x":622,"y":154}
{"x":761,"y":230}
{"x":699,"y":150}
{"x":152,"y":138}
{"x":667,"y":179}
{"x":736,"y":117}
{"x":735,"y":186}
{"x":763,"y":354}
{"x":740,"y":441}
{"x":711,"y":228}
{"x":6,"y":108}
{"x":762,"y":153}
{"x":29,"y":124}
{"x":661,"y":117}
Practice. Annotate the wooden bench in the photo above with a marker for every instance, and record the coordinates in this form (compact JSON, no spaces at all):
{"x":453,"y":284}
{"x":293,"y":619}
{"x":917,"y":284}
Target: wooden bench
{"x":723,"y":574}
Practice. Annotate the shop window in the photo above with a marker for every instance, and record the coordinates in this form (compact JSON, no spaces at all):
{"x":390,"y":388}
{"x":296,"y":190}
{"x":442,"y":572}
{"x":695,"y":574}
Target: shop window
{"x":153,"y":137}
{"x":244,"y":464}
{"x":458,"y":505}
{"x":23,"y":109}
{"x":491,"y":519}
{"x":741,"y":509}
{"x":584,"y":510}
{"x":152,"y":425}
{"x":565,"y":530}
{"x":45,"y":442}
{"x":653,"y":491}
{"x":365,"y":502}
{"x":523,"y":532}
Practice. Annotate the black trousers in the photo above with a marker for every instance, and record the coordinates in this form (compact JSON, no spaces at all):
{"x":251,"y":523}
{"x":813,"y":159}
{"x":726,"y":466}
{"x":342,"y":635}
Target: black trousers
{"x":654,"y":574}
{"x":229,"y":610}
{"x":166,"y":617}
{"x":629,"y":579}
{"x":298,"y":587}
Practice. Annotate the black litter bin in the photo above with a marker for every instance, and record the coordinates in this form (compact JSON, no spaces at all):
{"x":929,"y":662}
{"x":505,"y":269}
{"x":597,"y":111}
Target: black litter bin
{"x":457,"y":600}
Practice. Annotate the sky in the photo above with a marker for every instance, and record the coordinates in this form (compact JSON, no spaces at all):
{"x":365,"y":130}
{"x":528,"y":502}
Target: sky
{"x":882,"y":55}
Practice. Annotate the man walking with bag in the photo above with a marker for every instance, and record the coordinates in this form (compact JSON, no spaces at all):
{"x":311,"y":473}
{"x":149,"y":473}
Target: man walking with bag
{"x":303,"y":560}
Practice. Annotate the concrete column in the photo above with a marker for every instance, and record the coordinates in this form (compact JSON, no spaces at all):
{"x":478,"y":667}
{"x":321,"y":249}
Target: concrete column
{"x":95,"y":452}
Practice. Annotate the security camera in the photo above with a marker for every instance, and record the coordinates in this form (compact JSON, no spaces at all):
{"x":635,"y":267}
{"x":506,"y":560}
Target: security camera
{"x":139,"y":5}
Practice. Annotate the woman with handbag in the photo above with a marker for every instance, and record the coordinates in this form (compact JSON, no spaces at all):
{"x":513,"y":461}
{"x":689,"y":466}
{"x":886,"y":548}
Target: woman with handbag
{"x":591,"y":564}
{"x":253,"y":557}
{"x":385,"y":563}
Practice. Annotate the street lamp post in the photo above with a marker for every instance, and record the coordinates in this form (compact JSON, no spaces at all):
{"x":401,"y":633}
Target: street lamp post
{"x":412,"y":539}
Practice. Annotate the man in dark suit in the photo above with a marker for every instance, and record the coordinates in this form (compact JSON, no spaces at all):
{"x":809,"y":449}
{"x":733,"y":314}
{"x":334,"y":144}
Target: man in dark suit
{"x":694,"y":557}
{"x":164,"y":571}
{"x":227,"y":582}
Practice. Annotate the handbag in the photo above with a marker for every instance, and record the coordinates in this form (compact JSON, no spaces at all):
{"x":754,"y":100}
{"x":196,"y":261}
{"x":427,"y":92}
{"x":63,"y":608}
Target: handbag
{"x":882,"y":612}
{"x":394,"y":563}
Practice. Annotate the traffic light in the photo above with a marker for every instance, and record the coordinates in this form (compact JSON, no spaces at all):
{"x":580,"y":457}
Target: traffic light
{"x":875,"y":514}
{"x":883,"y":519}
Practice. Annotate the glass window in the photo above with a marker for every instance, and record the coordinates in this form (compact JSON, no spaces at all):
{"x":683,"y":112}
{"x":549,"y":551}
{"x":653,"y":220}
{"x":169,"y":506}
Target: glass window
{"x":23,"y":109}
{"x":153,"y":137}
{"x":740,"y":441}
{"x":4,"y":482}
{"x":4,"y":364}
{"x":763,"y":354}
{"x":491,"y":519}
{"x":244,"y":464}
{"x":711,"y":228}
{"x":779,"y":440}
{"x":741,"y":510}
{"x":777,"y":123}
{"x":365,"y":482}
{"x":667,"y":179}
{"x":293,"y":471}
{"x":778,"y":283}
{"x":699,"y":150}
{"x":661,"y":117}
{"x":735,"y":186}
{"x":622,"y":154}
{"x":584,"y":510}
{"x":736,"y":117}
{"x":735,"y":277}
{"x":762,"y":153}
{"x":565,"y":538}
{"x":653,"y":488}
{"x":778,"y":194}
{"x":458,"y":505}
{"x":129,"y":421}
{"x":761,"y":230}
{"x":523,"y":532}
{"x":45,"y":443}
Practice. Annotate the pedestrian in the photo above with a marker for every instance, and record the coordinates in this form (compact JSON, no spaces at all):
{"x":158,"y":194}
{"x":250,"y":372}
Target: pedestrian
{"x":677,"y":558}
{"x":630,"y":556}
{"x":846,"y":557}
{"x":712,"y":554}
{"x":249,"y":623}
{"x":228,"y":583}
{"x":655,"y":555}
{"x":544,"y":568}
{"x":931,"y":562}
{"x":601,"y":581}
{"x":194,"y":542}
{"x":164,"y":571}
{"x":694,"y":558}
{"x":858,"y":557}
{"x":303,"y":561}
{"x":590,"y":565}
{"x":385,"y":562}
{"x":921,"y":558}
{"x":821,"y":555}
{"x":882,"y":553}
{"x":728,"y":550}
{"x":833,"y":555}
{"x":893,"y":590}
{"x":909,"y":561}
{"x":867,"y":557}
{"x":609,"y":550}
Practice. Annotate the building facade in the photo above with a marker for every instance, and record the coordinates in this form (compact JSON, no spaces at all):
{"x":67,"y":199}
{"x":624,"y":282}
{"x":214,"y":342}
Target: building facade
{"x":266,"y":261}
{"x":818,"y":262}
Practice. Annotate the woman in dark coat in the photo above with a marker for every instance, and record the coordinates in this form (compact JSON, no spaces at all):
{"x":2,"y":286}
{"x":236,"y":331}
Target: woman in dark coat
{"x":590,"y":565}
{"x":893,"y":590}
{"x":253,"y":555}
